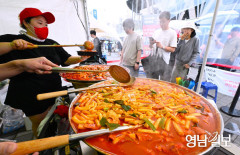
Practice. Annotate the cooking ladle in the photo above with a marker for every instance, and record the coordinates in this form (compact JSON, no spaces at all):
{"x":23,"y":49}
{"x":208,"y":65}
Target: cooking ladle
{"x":87,"y":45}
{"x":117,"y":72}
{"x":45,"y":96}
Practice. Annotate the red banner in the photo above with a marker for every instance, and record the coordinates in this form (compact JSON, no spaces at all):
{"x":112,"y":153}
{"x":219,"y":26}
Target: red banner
{"x":150,"y":24}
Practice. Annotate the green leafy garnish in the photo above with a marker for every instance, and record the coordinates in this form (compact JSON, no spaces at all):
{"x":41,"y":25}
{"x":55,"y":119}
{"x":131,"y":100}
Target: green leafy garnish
{"x":200,"y":108}
{"x":106,"y":100}
{"x":105,"y":109}
{"x":134,"y":115}
{"x":153,"y":91}
{"x":112,"y":126}
{"x":187,"y":93}
{"x":182,"y":111}
{"x":162,"y":122}
{"x":100,"y":91}
{"x":150,"y":124}
{"x":125,"y":107}
{"x":105,"y":123}
{"x":121,"y":102}
{"x":197,"y":107}
{"x":106,"y":94}
{"x":55,"y":44}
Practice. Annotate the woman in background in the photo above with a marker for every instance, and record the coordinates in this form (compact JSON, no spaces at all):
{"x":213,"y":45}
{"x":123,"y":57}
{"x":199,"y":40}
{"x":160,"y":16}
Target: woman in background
{"x":186,"y":52}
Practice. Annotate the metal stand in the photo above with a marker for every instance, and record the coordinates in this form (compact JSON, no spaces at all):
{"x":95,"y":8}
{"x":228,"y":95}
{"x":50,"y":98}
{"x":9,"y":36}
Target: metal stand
{"x":231,"y":110}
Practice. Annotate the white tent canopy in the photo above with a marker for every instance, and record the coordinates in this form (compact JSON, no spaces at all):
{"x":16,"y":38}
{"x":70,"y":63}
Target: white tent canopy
{"x":110,"y":34}
{"x":103,"y":30}
{"x":67,"y":28}
{"x":221,"y":16}
{"x":97,"y":25}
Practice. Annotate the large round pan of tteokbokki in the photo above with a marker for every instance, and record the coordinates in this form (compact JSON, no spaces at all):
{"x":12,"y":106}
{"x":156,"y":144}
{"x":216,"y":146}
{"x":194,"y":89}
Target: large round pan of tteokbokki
{"x":169,"y":119}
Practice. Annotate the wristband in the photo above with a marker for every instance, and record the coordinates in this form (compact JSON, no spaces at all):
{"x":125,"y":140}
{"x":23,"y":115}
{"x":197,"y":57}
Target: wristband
{"x":137,"y":63}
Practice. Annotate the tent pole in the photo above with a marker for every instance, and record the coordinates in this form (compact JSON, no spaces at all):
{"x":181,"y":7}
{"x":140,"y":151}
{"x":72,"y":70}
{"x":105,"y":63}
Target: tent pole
{"x":132,"y":9}
{"x":136,"y":6}
{"x":208,"y":45}
{"x":86,"y":19}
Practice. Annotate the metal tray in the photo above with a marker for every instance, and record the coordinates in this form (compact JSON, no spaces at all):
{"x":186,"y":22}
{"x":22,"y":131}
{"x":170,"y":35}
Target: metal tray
{"x":87,"y":53}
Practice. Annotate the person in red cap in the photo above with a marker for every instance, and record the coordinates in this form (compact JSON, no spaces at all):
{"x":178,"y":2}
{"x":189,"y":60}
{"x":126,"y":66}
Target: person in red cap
{"x":23,"y":88}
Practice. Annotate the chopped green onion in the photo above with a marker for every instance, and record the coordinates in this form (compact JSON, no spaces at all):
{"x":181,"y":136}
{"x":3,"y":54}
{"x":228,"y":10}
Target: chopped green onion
{"x":106,"y":100}
{"x":106,"y":94}
{"x":182,"y":111}
{"x":162,"y":122}
{"x":150,"y":124}
{"x":105,"y":109}
{"x":112,"y":126}
{"x":125,"y":107}
{"x":103,"y":122}
{"x":202,"y":110}
{"x":187,"y":93}
{"x":121,"y":102}
{"x":134,"y":115}
{"x":153,"y":91}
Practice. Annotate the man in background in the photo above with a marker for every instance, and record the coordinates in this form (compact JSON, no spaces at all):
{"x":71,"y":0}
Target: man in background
{"x":163,"y":42}
{"x":109,"y":45}
{"x":119,"y":46}
{"x":132,"y":46}
{"x":231,"y":49}
{"x":96,"y":42}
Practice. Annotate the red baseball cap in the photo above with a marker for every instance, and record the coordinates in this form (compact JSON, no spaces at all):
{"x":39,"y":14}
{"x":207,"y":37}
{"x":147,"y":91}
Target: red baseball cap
{"x":33,"y":12}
